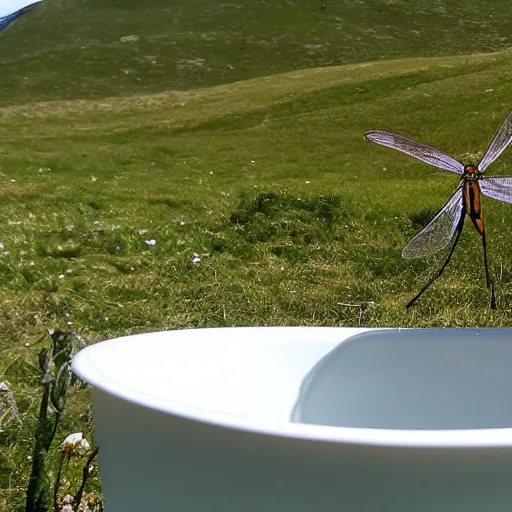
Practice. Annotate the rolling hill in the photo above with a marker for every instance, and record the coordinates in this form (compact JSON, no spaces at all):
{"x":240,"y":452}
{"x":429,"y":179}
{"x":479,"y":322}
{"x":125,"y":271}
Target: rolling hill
{"x":95,"y":48}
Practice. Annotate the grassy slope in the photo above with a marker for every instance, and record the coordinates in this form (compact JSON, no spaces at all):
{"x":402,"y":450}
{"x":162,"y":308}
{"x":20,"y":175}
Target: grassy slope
{"x":81,"y":192}
{"x":72,"y":49}
{"x":316,"y":222}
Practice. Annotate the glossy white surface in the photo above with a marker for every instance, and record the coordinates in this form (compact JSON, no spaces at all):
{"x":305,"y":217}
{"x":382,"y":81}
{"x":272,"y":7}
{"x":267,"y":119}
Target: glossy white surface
{"x":304,"y":418}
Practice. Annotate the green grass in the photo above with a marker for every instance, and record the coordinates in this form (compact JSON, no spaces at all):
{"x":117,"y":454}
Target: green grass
{"x":261,"y":170}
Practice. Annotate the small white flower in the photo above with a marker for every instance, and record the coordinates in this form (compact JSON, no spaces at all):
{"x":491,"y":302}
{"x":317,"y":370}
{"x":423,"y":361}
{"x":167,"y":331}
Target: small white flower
{"x":75,"y":444}
{"x":182,"y":222}
{"x":68,"y":502}
{"x":252,"y":162}
{"x":69,"y":271}
{"x":61,"y":276}
{"x":211,"y":172}
{"x":307,"y":182}
{"x":93,"y":178}
{"x":196,"y":258}
{"x":150,"y":242}
{"x":31,"y":215}
{"x":143,"y":231}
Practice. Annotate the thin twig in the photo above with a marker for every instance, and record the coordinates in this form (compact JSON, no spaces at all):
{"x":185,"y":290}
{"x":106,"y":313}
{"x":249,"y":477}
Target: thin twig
{"x":368,"y":303}
{"x":56,"y":487}
{"x":85,"y":475}
{"x":363,"y":306}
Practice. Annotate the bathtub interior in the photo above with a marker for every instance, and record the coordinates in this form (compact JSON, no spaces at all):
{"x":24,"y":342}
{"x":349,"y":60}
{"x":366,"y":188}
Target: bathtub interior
{"x":419,"y":379}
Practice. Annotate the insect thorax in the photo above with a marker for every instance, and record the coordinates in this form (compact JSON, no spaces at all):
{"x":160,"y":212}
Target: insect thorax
{"x":472,"y":173}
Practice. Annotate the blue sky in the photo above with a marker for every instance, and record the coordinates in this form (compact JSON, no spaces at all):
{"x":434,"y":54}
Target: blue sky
{"x":9,"y":6}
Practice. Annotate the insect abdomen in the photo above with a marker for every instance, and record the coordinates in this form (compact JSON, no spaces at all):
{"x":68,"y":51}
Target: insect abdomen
{"x":472,"y":198}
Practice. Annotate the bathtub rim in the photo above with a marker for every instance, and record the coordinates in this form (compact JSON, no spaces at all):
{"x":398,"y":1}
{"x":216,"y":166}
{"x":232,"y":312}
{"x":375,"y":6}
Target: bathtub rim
{"x":492,"y":438}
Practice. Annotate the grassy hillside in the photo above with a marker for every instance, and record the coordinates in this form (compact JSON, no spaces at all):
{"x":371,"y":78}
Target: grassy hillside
{"x":215,"y":134}
{"x":295,"y":218}
{"x":75,"y":48}
{"x":80,"y":179}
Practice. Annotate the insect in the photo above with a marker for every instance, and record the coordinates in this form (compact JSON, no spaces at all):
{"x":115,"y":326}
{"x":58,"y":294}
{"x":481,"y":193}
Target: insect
{"x":465,"y":200}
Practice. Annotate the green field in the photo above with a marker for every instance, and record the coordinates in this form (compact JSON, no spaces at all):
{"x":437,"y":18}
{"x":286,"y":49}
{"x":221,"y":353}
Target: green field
{"x":260,"y":170}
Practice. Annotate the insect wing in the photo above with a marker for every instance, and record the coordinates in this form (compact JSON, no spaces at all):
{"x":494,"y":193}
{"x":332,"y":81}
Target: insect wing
{"x":499,"y":188}
{"x":423,"y":152}
{"x":498,"y":144}
{"x":439,"y":232}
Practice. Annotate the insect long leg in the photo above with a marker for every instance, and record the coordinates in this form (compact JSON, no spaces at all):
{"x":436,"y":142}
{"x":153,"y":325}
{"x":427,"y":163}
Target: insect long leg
{"x":445,"y":264}
{"x":488,"y":280}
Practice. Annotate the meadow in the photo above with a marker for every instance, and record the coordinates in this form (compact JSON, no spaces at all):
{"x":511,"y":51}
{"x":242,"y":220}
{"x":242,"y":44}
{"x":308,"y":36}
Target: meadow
{"x":202,"y":198}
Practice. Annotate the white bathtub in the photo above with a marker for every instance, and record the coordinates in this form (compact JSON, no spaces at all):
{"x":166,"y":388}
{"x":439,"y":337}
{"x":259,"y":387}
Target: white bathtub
{"x":304,"y":419}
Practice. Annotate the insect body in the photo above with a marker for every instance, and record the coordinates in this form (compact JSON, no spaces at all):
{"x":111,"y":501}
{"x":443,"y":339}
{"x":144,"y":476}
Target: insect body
{"x":471,"y":193}
{"x":465,"y":200}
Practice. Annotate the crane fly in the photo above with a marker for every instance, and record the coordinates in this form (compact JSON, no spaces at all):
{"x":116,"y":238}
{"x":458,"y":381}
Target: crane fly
{"x":465,"y":200}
